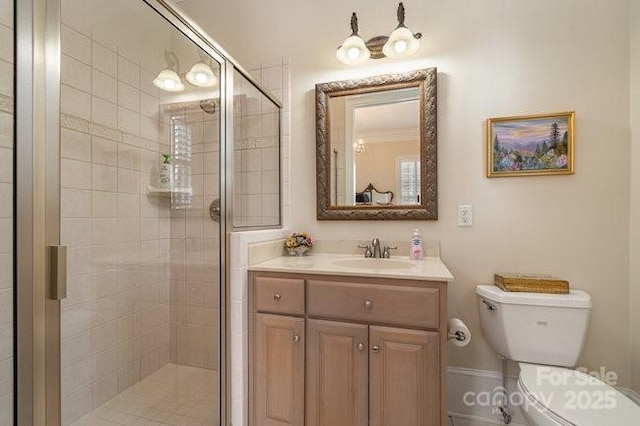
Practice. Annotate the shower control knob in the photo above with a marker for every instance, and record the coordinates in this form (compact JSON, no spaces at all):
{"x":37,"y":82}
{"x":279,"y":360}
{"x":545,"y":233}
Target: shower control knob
{"x":368,"y":304}
{"x":277,"y":297}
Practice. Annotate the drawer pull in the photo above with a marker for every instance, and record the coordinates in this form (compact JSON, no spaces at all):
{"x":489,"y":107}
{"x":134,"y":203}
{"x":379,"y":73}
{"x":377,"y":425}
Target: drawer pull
{"x":368,"y":304}
{"x":360,"y":346}
{"x":296,"y":338}
{"x":375,"y":349}
{"x":277,"y":297}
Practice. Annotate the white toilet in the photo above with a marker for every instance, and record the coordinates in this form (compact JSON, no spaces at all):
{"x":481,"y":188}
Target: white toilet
{"x":545,"y":334}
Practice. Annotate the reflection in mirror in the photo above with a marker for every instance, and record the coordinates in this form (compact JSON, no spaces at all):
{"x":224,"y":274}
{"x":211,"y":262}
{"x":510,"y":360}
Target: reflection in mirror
{"x":376,"y":146}
{"x":375,"y":140}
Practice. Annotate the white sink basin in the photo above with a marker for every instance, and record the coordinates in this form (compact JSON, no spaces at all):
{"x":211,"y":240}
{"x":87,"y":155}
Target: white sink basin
{"x":367,"y":263}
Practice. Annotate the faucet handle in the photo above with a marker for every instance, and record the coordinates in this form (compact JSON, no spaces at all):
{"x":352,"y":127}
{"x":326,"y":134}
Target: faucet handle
{"x":385,"y":252}
{"x":367,"y":252}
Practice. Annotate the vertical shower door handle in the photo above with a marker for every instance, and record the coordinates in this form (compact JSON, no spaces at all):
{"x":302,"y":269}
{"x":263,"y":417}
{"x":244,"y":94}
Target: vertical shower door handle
{"x":58,"y":272}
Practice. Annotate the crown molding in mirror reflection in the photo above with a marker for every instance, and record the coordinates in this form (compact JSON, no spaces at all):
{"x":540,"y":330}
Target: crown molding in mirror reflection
{"x":427,"y":209}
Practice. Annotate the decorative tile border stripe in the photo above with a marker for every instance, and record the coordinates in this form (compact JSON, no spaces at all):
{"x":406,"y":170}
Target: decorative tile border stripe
{"x":80,"y":125}
{"x":6,"y":104}
{"x":251,"y":143}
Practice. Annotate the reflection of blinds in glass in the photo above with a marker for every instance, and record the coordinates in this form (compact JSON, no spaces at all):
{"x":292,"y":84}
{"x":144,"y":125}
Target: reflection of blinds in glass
{"x":181,"y":160}
{"x":409,"y":181}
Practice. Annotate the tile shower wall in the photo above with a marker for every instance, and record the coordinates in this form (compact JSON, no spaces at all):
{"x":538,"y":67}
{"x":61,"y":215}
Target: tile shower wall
{"x":6,"y":212}
{"x":195,"y":242}
{"x":115,"y":321}
{"x":256,"y":155}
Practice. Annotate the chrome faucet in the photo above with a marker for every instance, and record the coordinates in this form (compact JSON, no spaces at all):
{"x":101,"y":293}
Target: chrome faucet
{"x":375,"y":248}
{"x":376,"y":251}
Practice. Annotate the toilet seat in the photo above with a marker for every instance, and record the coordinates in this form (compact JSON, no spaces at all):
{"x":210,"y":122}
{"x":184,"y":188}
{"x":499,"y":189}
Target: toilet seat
{"x":560,"y":396}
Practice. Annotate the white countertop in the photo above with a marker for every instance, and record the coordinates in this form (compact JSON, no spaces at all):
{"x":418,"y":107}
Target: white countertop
{"x":429,"y":269}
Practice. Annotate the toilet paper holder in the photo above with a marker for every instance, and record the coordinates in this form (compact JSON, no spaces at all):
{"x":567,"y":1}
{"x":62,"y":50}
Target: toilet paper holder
{"x":457,"y":332}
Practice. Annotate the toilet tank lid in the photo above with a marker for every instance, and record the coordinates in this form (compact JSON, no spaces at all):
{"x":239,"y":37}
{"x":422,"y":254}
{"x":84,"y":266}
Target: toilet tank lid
{"x":575,"y":298}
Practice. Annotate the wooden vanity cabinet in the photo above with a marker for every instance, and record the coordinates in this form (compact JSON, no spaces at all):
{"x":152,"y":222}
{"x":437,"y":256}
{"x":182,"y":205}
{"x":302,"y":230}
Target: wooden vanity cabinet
{"x":368,"y":351}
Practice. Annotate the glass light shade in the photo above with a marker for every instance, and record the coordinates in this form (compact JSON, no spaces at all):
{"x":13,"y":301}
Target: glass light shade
{"x":353,"y":51}
{"x":401,"y":43}
{"x":201,"y":75}
{"x":169,"y":80}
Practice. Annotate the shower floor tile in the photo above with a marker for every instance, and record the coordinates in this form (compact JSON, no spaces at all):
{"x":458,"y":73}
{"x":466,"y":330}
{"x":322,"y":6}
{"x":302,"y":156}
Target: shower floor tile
{"x":174,"y":395}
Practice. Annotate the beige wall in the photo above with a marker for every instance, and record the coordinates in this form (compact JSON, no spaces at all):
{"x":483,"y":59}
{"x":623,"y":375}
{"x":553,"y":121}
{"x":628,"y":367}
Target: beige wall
{"x":6,"y":212}
{"x":635,"y":193}
{"x":378,"y":163}
{"x":494,"y":58}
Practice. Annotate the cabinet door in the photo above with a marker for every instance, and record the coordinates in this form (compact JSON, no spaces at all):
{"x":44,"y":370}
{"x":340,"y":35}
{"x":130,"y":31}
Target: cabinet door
{"x":404,"y":377}
{"x":278,"y":370}
{"x":337,"y":376}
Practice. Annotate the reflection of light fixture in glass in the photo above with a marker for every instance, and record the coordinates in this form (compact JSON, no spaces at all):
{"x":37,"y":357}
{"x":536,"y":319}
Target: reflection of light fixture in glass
{"x":201,"y":75}
{"x":169,"y":80}
{"x":358,"y":147}
{"x":401,"y":43}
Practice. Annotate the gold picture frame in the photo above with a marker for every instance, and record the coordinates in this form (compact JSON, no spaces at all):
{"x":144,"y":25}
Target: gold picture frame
{"x":530,"y":145}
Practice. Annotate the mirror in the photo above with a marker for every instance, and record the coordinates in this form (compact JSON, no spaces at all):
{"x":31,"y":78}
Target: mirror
{"x":377,"y":147}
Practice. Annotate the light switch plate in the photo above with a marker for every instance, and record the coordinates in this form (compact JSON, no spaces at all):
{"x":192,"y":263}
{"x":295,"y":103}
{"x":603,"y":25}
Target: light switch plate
{"x":465,"y":215}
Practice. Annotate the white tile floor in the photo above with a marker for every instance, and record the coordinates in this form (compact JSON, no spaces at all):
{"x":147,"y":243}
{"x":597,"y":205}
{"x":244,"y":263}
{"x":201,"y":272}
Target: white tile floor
{"x":174,"y":395}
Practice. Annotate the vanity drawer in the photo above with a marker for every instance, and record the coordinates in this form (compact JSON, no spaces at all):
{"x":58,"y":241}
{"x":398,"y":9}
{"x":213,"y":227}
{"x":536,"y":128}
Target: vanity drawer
{"x":279,"y":295}
{"x":398,"y":305}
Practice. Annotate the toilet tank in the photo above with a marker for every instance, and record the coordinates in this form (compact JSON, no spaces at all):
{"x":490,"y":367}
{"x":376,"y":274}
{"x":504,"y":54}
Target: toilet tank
{"x":539,"y":328}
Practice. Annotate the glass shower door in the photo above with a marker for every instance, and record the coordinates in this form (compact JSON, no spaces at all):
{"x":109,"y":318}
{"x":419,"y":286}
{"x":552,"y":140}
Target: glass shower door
{"x":140,"y":130}
{"x":6,"y":212}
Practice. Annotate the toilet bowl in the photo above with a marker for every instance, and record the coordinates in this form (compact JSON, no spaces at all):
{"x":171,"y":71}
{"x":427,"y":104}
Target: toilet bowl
{"x":545,"y":334}
{"x":556,"y":396}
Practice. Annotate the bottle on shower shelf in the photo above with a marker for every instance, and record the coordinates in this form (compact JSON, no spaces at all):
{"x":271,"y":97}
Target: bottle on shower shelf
{"x":165,"y":172}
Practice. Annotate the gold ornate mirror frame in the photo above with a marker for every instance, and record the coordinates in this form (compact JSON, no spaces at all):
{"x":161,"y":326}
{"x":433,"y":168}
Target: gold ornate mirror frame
{"x":427,"y":209}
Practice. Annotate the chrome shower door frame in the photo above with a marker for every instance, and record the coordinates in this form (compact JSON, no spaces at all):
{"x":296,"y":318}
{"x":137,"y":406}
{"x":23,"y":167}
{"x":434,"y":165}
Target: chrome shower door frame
{"x":38,"y":391}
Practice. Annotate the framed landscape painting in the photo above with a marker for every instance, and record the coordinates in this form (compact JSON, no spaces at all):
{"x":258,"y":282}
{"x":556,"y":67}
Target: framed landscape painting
{"x":530,"y":145}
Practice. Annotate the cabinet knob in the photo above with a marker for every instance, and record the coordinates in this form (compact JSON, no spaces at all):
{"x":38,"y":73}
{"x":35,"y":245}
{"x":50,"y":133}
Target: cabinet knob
{"x":360,"y":346}
{"x":296,"y":338}
{"x":375,"y":349}
{"x":368,"y":304}
{"x":277,"y":297}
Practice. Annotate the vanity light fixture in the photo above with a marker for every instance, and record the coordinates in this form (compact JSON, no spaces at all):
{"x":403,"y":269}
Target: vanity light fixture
{"x":401,"y":43}
{"x":353,"y":50}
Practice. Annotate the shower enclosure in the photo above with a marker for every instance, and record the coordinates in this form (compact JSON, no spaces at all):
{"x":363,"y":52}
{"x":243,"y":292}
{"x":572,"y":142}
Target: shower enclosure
{"x":138,"y":137}
{"x":7,"y":144}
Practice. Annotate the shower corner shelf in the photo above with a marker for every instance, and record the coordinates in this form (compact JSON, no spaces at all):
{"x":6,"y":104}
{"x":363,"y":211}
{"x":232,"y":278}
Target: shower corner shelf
{"x":153,"y":190}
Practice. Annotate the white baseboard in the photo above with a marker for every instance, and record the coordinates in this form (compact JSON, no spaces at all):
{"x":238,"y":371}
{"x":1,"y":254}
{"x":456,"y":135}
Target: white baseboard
{"x":466,"y":420}
{"x":472,"y":395}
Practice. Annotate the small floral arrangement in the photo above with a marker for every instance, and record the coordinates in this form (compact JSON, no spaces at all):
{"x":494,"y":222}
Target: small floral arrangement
{"x":299,"y":239}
